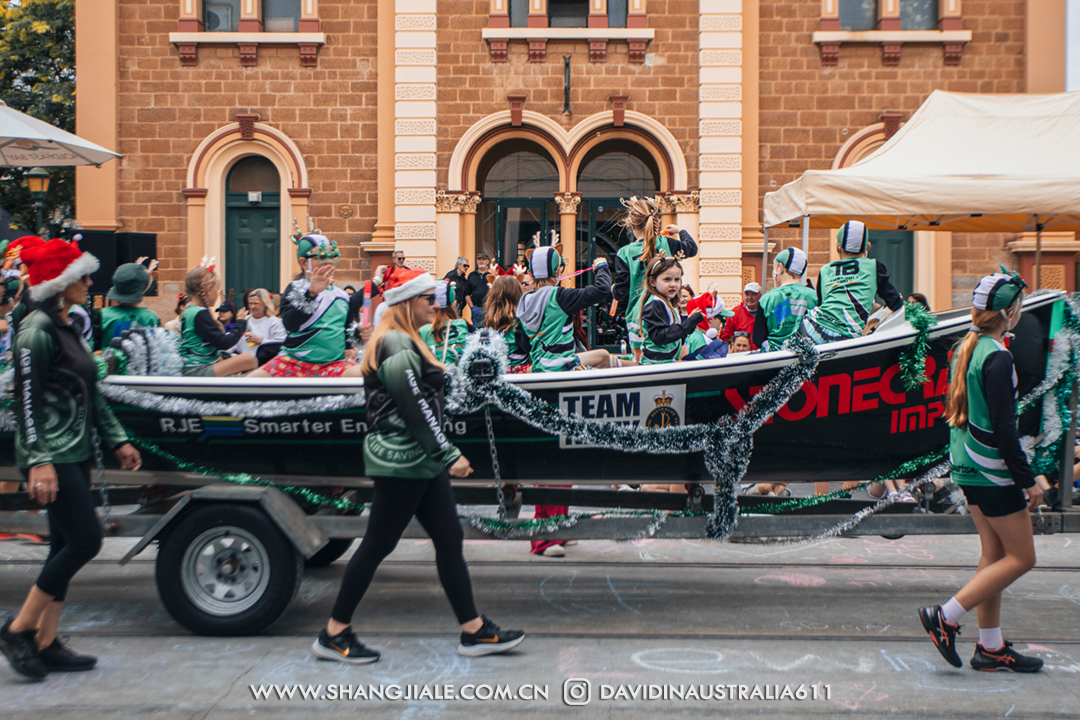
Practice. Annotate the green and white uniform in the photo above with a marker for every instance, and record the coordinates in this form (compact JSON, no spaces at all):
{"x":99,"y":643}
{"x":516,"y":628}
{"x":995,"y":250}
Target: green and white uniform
{"x":845,"y":297}
{"x":630,"y":274}
{"x":547,"y":314}
{"x":517,"y":347}
{"x":698,"y":340}
{"x":316,"y":325}
{"x":447,"y":351}
{"x":664,"y":331}
{"x":987,"y":452}
{"x":781,"y":313}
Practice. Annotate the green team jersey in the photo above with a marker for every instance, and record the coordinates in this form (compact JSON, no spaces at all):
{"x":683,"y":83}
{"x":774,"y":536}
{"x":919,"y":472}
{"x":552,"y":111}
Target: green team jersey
{"x":449,"y":350}
{"x":550,"y":330}
{"x":847,"y":289}
{"x":516,"y":354}
{"x":320,"y":339}
{"x":115,"y":320}
{"x":783,"y":309}
{"x":654,"y":352}
{"x":630,"y":255}
{"x":193,"y":348}
{"x":697,"y":341}
{"x":975,"y":452}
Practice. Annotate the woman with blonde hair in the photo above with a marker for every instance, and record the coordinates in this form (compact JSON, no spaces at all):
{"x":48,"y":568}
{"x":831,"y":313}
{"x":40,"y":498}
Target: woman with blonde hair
{"x":989,"y":465}
{"x":642,"y":218}
{"x":411,"y":462}
{"x":264,"y":327}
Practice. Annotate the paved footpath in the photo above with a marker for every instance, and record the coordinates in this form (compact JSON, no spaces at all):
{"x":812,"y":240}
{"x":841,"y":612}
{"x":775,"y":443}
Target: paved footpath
{"x":838,"y":616}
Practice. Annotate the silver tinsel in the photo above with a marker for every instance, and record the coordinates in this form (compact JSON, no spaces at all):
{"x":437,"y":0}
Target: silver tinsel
{"x":153,"y":351}
{"x":297,"y":296}
{"x":170,"y":405}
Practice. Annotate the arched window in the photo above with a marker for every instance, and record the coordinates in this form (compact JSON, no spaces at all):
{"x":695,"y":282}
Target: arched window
{"x":617,"y":170}
{"x":522,"y":174}
{"x":254,"y":174}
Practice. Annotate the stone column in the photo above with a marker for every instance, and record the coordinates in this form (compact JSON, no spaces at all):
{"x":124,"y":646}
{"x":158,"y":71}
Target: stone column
{"x":468,"y":226}
{"x":97,"y":112}
{"x":414,"y":132}
{"x":720,"y":146}
{"x":568,"y":214}
{"x":383,"y":237}
{"x":448,"y":230}
{"x":687,"y":207}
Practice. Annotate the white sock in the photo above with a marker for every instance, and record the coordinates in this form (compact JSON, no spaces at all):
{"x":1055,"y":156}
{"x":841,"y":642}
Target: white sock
{"x":952,"y":611}
{"x":991,"y":639}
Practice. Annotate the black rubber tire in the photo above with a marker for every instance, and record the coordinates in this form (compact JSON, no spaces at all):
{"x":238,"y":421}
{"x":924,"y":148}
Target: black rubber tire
{"x":286,"y":570}
{"x":329,"y":552}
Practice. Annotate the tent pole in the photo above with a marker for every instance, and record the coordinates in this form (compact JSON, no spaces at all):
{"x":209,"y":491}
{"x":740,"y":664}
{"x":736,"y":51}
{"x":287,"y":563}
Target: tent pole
{"x":1038,"y":253}
{"x":806,"y":235}
{"x":764,"y":258}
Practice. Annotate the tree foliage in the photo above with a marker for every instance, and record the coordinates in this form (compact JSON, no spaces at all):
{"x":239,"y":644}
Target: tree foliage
{"x":37,"y":77}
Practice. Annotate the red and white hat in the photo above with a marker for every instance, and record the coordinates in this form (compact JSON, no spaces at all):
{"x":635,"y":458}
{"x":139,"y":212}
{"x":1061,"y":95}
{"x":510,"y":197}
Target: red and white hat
{"x":401,"y":284}
{"x":54,"y":265}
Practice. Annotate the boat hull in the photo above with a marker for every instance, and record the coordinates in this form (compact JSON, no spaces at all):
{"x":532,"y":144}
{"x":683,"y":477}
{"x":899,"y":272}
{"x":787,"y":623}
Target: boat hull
{"x":853,"y":421}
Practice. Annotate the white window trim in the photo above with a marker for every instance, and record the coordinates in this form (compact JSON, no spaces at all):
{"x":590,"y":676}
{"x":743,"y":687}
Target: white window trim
{"x":262,"y":38}
{"x":548,"y":33}
{"x":892,"y":36}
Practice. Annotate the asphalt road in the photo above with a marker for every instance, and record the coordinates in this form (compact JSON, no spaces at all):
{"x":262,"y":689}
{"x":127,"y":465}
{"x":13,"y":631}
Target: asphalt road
{"x":836,"y":618}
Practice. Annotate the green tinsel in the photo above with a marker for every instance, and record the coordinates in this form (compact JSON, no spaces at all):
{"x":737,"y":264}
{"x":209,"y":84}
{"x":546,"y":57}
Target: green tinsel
{"x":245,"y":479}
{"x":913,"y":358}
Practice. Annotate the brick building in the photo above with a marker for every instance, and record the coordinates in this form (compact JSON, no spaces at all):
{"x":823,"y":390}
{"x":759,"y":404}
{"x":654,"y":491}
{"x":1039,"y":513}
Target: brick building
{"x":446,"y":127}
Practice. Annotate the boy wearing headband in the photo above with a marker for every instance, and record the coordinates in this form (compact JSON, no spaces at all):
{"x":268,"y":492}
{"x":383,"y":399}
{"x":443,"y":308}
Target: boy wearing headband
{"x":846,"y":290}
{"x":783,"y":308}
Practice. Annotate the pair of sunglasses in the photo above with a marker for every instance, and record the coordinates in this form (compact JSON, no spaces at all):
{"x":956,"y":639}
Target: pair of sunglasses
{"x":430,"y":297}
{"x":323,"y":255}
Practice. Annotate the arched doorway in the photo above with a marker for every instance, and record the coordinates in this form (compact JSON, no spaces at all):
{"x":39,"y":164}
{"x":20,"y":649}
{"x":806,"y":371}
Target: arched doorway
{"x":517,"y":180}
{"x":609,"y":172}
{"x":252,"y":225}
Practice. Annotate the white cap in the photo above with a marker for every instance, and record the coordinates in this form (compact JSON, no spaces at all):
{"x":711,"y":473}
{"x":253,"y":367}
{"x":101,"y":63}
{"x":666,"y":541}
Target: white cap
{"x":751,"y":287}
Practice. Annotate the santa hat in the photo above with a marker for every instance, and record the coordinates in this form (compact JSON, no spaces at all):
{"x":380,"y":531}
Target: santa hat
{"x":54,"y":265}
{"x":705,"y":304}
{"x":17,"y":246}
{"x":401,"y":284}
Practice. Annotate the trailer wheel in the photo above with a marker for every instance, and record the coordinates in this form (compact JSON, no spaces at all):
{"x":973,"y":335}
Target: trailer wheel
{"x":227,"y":570}
{"x":330,"y":552}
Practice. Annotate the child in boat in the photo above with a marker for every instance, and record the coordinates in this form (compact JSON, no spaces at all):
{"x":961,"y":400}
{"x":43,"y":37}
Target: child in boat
{"x":315,"y":313}
{"x":202,"y":339}
{"x":500,"y":314}
{"x":643,"y":220}
{"x":782,"y":309}
{"x":990,"y":466}
{"x":846,"y":289}
{"x":663,"y":329}
{"x":547,"y":314}
{"x":129,"y":283}
{"x":702,"y":343}
{"x":446,"y":334}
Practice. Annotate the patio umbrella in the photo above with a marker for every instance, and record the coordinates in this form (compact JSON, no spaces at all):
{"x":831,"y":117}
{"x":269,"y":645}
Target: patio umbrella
{"x":27,"y":141}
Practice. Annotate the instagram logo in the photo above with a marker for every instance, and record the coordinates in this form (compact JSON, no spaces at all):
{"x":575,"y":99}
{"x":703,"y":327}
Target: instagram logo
{"x":576,"y":692}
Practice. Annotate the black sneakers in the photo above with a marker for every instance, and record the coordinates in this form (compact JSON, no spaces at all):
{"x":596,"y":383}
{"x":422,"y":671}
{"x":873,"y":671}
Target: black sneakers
{"x":58,"y":657}
{"x":1004,"y":658}
{"x":344,"y":647}
{"x":942,"y":633}
{"x":490,"y":639}
{"x":21,"y":651}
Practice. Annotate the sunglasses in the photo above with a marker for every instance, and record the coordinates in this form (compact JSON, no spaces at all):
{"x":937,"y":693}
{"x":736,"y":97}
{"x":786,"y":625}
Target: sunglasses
{"x":430,"y":297}
{"x":323,"y":255}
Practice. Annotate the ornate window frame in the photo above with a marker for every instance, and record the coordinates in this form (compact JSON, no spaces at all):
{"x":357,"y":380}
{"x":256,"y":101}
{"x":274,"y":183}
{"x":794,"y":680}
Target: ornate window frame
{"x":498,"y":33}
{"x":950,"y":33}
{"x":190,"y":33}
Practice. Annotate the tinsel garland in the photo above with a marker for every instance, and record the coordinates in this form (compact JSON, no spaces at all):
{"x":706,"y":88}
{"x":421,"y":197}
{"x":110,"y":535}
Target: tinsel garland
{"x":907,"y":468}
{"x":152,"y":351}
{"x":299,"y":299}
{"x":171,"y":405}
{"x":244,"y":478}
{"x":913,"y":358}
{"x":726,"y":443}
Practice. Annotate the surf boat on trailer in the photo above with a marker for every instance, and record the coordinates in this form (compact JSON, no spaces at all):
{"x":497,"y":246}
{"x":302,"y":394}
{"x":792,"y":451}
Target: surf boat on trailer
{"x":853,"y":420}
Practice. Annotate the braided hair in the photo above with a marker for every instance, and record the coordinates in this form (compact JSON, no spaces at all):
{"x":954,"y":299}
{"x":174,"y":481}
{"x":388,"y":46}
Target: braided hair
{"x":643,"y":218}
{"x":195,"y":284}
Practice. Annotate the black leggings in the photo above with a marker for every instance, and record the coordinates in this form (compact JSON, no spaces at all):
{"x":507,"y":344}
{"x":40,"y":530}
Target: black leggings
{"x":395,"y":503}
{"x":74,"y":530}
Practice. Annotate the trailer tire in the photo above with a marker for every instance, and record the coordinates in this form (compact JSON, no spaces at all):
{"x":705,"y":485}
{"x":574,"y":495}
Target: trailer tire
{"x":226,"y":569}
{"x":330,"y":552}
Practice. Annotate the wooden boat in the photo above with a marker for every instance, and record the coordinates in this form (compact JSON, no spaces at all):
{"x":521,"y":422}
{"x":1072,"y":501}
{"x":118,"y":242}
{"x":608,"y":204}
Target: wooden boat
{"x":853,"y":421}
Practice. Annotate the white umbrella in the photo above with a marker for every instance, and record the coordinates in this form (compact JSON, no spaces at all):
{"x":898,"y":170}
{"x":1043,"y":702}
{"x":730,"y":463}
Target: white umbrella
{"x":27,"y":141}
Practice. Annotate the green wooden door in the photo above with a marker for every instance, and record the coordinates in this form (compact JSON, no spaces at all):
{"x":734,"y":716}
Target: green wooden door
{"x":252,"y":243}
{"x":896,"y":250}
